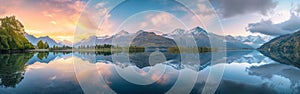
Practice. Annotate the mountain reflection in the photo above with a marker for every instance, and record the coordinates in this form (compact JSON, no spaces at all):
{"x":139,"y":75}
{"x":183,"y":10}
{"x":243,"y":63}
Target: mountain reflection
{"x":43,"y":55}
{"x":12,"y":68}
{"x":53,"y":72}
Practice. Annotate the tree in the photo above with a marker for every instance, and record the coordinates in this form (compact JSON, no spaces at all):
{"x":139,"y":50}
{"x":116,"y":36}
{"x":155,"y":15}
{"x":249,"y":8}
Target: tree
{"x":40,"y":44}
{"x":12,"y":35}
{"x":46,"y":45}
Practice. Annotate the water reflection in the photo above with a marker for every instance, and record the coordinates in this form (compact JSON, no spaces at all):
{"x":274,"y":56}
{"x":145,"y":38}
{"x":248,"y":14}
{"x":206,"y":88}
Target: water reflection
{"x":47,"y":73}
{"x":286,"y":56}
{"x":12,"y":68}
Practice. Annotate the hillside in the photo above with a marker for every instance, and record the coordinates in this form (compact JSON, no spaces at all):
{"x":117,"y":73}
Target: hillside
{"x":146,"y":39}
{"x":284,"y":49}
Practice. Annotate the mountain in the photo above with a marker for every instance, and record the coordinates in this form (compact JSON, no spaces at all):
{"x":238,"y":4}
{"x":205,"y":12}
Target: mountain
{"x":230,"y":42}
{"x":284,"y":49}
{"x":65,"y":42}
{"x":12,"y":35}
{"x":198,"y":34}
{"x":34,"y":40}
{"x":254,"y":41}
{"x":197,"y":30}
{"x":202,"y":38}
{"x":146,"y":39}
{"x":123,"y":38}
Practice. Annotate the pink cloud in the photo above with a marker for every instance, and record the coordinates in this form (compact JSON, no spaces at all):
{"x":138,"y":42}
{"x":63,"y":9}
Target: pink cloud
{"x":161,"y":19}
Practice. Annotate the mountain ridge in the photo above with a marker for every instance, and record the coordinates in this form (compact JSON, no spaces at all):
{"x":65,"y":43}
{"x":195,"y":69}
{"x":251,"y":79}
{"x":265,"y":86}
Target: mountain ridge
{"x":51,"y":42}
{"x":200,"y":36}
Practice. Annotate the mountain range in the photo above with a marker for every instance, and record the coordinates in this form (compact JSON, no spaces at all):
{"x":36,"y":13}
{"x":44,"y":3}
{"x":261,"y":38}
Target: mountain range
{"x":254,"y":41}
{"x":144,"y":38}
{"x":200,"y":36}
{"x":51,"y":42}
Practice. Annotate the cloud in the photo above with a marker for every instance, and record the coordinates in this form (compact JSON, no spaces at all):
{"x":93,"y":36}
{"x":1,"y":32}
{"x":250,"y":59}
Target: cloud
{"x":204,"y":10}
{"x":7,"y":6}
{"x":231,"y":8}
{"x":51,"y":17}
{"x":161,"y":19}
{"x":143,"y":24}
{"x":99,"y":5}
{"x":53,"y":22}
{"x":95,"y":20}
{"x":268,"y":28}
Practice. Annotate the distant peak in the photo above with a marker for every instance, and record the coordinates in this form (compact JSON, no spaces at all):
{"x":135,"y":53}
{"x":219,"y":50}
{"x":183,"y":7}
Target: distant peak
{"x":197,"y":27}
{"x":44,"y":37}
{"x":179,"y":29}
{"x":198,"y":30}
{"x":122,"y":32}
{"x":142,"y":32}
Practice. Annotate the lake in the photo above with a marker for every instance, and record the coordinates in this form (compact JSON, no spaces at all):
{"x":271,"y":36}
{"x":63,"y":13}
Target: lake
{"x":245,"y":72}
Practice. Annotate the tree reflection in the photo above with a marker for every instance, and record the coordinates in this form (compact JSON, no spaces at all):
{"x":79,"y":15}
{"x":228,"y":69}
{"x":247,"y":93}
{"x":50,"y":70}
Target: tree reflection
{"x":287,"y":56}
{"x":42,"y":55}
{"x":12,"y":68}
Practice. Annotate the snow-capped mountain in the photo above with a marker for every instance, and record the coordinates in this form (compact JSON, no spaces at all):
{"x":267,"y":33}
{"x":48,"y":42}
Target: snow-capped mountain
{"x":93,"y":40}
{"x":121,"y":33}
{"x":34,"y":40}
{"x":120,"y":38}
{"x":254,"y":41}
{"x":123,"y":38}
{"x":195,"y":31}
{"x":202,"y":38}
{"x":199,"y":35}
{"x":65,"y":42}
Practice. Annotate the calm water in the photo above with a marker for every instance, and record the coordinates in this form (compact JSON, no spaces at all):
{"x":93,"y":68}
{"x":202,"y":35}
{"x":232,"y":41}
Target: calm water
{"x":246,"y":72}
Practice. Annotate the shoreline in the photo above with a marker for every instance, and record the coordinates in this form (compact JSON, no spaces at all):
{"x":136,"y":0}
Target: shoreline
{"x":95,"y":50}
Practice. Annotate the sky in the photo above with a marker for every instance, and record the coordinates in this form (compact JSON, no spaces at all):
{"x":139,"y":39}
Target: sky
{"x":66,"y":19}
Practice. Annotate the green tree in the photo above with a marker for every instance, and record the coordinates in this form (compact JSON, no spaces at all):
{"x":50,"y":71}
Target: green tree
{"x":46,"y":45}
{"x":40,"y":44}
{"x":12,"y":35}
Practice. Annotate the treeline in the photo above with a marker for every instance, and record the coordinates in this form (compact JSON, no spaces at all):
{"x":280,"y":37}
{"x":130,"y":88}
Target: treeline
{"x":190,"y":49}
{"x":110,"y":48}
{"x":96,"y":46}
{"x":45,"y":45}
{"x":12,"y":35}
{"x":42,"y":45}
{"x":136,"y":49}
{"x":64,"y":47}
